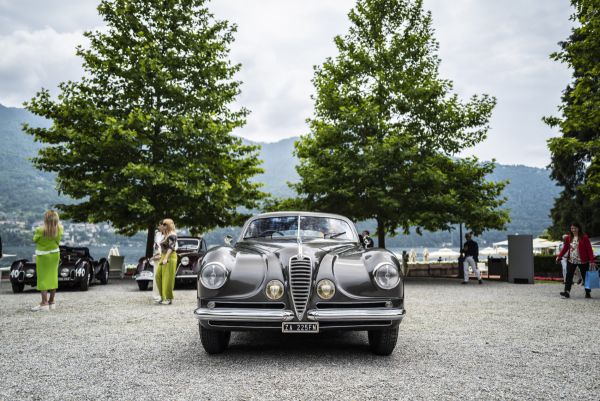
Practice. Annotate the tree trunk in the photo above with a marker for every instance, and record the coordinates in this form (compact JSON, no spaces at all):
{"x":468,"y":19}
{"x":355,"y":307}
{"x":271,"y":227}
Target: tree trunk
{"x":150,"y":242}
{"x":380,"y":234}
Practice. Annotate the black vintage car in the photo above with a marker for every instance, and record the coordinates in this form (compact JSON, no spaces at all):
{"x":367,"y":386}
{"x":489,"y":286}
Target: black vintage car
{"x":190,"y":251}
{"x":300,"y":272}
{"x":76,"y":268}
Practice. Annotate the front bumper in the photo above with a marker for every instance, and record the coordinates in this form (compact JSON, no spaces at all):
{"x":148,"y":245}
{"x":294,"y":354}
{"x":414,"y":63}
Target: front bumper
{"x":149,"y":276}
{"x":331,"y":317}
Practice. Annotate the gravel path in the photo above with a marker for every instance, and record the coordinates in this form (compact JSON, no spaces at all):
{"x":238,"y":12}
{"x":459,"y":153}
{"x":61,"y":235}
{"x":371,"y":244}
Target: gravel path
{"x":477,"y":342}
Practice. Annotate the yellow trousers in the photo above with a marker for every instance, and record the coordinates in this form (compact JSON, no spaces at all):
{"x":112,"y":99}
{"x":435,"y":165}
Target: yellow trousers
{"x":165,"y":276}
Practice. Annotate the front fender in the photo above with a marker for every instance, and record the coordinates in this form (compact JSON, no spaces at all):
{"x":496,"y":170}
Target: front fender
{"x":247,"y":273}
{"x":353,"y":274}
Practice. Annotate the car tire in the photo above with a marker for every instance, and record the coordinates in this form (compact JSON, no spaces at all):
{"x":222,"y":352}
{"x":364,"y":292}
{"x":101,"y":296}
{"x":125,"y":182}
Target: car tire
{"x":84,"y":285}
{"x":383,"y":342}
{"x":143,"y":285}
{"x":17,"y":287}
{"x":105,"y":273}
{"x":214,"y":341}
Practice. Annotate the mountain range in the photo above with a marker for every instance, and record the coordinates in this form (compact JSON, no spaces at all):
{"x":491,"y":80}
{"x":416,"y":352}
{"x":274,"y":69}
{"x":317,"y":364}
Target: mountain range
{"x":26,"y":192}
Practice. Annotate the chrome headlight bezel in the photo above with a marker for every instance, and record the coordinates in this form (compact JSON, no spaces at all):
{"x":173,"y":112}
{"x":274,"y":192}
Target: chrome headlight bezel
{"x":279,"y":294}
{"x":321,"y":286}
{"x":64,"y":272}
{"x":216,"y":268}
{"x":29,"y":273}
{"x":379,"y":273}
{"x":185,"y":261}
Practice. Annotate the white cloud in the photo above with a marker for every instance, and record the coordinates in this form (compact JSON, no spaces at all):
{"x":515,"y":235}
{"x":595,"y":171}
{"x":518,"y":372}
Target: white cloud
{"x":499,"y":48}
{"x":35,"y":59}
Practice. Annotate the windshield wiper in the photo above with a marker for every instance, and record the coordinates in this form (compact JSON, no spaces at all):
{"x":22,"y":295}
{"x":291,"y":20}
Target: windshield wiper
{"x":263,"y":234}
{"x":334,"y":235}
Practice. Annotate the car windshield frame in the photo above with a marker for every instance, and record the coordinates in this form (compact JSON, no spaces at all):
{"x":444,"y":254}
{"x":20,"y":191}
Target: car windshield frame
{"x":188,"y":247}
{"x":312,"y":227}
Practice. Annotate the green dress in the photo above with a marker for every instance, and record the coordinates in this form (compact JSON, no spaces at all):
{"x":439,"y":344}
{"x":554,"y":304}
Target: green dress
{"x":47,"y":259}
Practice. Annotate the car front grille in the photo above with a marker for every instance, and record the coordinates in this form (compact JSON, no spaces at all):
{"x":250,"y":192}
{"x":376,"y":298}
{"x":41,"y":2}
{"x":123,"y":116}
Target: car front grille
{"x":300,"y":269}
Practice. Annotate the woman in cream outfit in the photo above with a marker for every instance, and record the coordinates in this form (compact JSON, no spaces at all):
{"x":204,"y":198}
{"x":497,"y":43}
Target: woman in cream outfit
{"x":47,"y":256}
{"x":158,"y":237}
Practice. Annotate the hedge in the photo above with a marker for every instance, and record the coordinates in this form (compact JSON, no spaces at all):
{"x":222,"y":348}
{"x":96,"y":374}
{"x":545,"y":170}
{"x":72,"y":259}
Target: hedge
{"x":545,"y":265}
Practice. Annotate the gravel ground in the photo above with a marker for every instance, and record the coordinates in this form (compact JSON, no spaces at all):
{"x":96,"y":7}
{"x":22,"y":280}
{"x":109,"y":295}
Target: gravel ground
{"x":494,"y":341}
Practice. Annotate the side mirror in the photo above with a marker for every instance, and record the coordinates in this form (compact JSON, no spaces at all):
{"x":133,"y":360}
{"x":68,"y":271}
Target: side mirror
{"x":228,"y":240}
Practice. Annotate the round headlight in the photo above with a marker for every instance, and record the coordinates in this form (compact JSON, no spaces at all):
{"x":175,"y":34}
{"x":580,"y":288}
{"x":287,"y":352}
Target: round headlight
{"x":29,"y":273}
{"x":386,"y":276}
{"x":213,"y":276}
{"x":274,"y":289}
{"x":64,"y":272}
{"x":185,"y":261}
{"x":326,"y":289}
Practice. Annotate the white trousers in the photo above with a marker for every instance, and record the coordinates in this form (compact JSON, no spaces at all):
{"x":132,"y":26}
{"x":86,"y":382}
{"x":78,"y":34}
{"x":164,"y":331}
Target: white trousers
{"x":563,"y":262}
{"x":469,"y":261}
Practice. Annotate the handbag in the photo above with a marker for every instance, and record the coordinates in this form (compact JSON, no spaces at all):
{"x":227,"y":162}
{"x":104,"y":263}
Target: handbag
{"x":592,"y":279}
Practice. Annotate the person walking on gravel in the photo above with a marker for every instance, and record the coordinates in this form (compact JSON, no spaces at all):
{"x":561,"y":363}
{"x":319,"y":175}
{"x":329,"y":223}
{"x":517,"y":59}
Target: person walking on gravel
{"x":167,"y":265}
{"x":578,"y":250}
{"x":471,"y":252}
{"x":47,"y":256}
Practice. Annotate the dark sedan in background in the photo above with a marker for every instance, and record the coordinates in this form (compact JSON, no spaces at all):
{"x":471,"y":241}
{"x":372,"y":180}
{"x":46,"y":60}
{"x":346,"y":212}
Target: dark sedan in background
{"x":300,"y":272}
{"x":76,"y":268}
{"x":190,"y":251}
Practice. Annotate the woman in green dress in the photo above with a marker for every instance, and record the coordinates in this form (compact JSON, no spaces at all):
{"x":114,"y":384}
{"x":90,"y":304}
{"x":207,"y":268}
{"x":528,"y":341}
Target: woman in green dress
{"x":167,"y":266}
{"x":47,"y":256}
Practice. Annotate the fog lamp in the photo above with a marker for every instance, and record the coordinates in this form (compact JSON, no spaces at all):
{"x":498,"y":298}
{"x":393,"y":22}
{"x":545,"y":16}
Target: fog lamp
{"x":185,"y":261}
{"x":274,"y":289}
{"x":325,"y":289}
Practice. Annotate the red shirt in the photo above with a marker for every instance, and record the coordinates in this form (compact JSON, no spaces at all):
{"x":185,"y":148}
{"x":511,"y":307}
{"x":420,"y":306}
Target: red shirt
{"x":586,"y":254}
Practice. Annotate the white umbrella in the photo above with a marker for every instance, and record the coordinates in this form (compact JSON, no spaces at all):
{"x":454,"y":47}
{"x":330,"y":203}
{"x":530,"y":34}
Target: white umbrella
{"x":488,"y":251}
{"x":444,"y":253}
{"x":501,"y":251}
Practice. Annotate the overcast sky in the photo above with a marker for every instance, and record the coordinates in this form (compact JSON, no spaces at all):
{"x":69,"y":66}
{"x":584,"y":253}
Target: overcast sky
{"x":498,"y":47}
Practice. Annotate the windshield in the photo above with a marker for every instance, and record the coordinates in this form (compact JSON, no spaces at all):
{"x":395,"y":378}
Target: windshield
{"x":310,"y":227}
{"x":188,"y":244}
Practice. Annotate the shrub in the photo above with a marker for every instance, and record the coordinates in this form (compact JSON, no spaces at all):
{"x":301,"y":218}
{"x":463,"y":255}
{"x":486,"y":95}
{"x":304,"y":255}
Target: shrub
{"x":545,"y":265}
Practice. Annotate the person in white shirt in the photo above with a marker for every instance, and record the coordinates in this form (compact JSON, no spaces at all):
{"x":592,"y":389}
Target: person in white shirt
{"x":563,"y":260}
{"x":158,"y":237}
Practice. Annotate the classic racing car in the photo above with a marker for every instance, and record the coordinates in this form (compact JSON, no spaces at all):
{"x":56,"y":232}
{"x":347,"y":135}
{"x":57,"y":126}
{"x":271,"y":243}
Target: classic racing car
{"x":76,"y":267}
{"x":300,"y":272}
{"x":190,"y":251}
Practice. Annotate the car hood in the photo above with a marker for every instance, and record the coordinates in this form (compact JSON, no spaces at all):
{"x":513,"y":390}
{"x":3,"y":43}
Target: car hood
{"x":252,"y":263}
{"x":315,"y":250}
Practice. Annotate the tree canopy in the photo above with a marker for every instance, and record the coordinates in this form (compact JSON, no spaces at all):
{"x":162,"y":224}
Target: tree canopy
{"x":146,"y":133}
{"x":386,"y":129}
{"x":575,"y":162}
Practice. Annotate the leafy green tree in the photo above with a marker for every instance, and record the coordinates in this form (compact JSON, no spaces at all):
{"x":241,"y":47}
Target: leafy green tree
{"x":385,"y":129}
{"x":146,"y":133}
{"x":575,"y":160}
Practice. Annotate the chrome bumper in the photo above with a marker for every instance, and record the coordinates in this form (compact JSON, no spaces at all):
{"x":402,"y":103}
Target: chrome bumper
{"x":316,"y":315}
{"x":149,"y":277}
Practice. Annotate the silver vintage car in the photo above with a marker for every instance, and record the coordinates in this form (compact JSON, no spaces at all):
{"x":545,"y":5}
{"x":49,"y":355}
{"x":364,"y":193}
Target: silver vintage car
{"x":300,"y":272}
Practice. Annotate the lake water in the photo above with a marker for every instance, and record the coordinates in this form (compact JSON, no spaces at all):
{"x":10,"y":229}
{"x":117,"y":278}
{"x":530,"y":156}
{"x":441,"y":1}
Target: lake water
{"x":133,"y":253}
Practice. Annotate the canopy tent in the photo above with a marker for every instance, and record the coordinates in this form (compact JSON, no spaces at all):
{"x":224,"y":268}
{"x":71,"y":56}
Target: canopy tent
{"x":539,"y":244}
